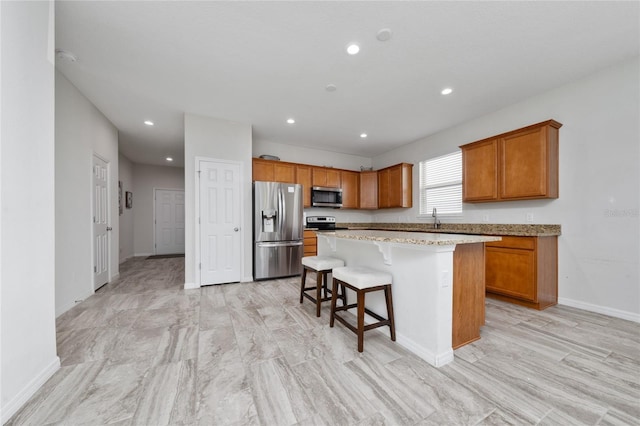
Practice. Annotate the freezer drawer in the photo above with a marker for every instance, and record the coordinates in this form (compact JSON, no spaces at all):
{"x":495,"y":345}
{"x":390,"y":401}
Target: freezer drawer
{"x":277,"y":259}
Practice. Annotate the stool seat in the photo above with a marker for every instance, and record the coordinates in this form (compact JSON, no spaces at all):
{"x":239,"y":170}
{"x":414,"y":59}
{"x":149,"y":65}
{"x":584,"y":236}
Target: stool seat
{"x":322,"y":263}
{"x":362,"y":277}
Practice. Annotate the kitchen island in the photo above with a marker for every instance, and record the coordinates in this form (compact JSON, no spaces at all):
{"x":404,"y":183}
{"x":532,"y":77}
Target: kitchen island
{"x":438,"y":284}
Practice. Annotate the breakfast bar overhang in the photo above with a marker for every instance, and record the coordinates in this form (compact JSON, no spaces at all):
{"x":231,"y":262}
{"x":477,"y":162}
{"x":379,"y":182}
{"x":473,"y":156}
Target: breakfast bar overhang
{"x":438,"y":284}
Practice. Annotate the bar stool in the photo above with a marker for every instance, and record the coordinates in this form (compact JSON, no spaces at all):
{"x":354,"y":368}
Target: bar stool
{"x":321,"y":265}
{"x":363,"y":280}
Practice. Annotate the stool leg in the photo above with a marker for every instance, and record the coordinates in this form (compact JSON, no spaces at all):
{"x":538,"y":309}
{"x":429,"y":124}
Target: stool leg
{"x":334,"y":297}
{"x":318,"y":292}
{"x":344,"y":296}
{"x":324,"y":284}
{"x":360,"y":294}
{"x":304,"y":277}
{"x":392,"y":324}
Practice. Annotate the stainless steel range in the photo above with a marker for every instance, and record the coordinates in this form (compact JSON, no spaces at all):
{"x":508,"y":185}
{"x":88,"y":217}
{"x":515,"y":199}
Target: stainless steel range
{"x":322,"y":223}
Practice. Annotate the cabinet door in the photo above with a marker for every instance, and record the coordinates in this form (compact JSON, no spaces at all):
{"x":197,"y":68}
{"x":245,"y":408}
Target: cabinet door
{"x":523,"y":164}
{"x":334,"y":178}
{"x":480,"y":171}
{"x":350,"y":189}
{"x":368,"y":190}
{"x":383,"y":188}
{"x":319,"y":176}
{"x":262,"y":170}
{"x":511,"y":272}
{"x":303,"y":177}
{"x":284,"y":172}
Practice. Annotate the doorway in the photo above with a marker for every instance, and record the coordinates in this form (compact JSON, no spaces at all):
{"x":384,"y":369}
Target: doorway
{"x":101,"y":228}
{"x":169,"y":221}
{"x":220,"y":219}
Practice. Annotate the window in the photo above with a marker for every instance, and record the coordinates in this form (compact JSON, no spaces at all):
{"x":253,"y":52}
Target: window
{"x":441,"y":184}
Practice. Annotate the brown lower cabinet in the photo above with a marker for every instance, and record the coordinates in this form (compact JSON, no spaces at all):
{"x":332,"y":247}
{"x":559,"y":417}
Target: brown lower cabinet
{"x":310,"y":243}
{"x":523,"y":270}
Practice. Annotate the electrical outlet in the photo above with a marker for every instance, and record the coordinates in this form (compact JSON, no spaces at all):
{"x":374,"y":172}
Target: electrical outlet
{"x":485,"y":218}
{"x":529,"y":217}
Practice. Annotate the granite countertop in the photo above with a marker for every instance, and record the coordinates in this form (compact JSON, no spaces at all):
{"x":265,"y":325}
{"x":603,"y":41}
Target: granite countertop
{"x":518,"y":230}
{"x":418,"y":238}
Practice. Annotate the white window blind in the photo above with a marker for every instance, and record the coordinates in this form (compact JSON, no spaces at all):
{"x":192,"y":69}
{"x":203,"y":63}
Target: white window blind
{"x":441,"y":184}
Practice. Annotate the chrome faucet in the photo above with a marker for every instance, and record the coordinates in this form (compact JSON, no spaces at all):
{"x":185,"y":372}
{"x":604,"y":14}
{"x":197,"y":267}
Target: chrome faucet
{"x":436,"y":222}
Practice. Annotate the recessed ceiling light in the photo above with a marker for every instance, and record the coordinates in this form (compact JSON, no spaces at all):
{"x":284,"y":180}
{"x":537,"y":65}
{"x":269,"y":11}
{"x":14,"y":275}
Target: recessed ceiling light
{"x":384,"y":34}
{"x":363,"y":135}
{"x":148,"y":122}
{"x":291,"y":121}
{"x":169,"y":159}
{"x":447,"y":91}
{"x":331,"y":88}
{"x":353,"y":49}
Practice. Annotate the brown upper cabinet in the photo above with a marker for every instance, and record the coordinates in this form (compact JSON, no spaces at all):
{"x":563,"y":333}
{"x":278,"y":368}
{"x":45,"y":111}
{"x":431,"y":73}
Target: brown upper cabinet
{"x":350,"y":184}
{"x":273,"y":171}
{"x":386,"y":188}
{"x":395,"y":186}
{"x":369,"y":190}
{"x":518,"y":165}
{"x":326,"y":177}
{"x":303,"y":177}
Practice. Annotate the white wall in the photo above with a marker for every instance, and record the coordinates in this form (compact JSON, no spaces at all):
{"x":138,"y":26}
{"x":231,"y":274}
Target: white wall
{"x":125,"y":175}
{"x":223,"y":140}
{"x":28,"y":338}
{"x":599,"y":184}
{"x":146,"y":178}
{"x":80,"y":131}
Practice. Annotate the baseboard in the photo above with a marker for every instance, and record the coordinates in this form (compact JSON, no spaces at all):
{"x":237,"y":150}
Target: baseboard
{"x":437,"y":360}
{"x":247,"y":279}
{"x":115,"y":277}
{"x":617,"y":313}
{"x":12,"y":407}
{"x":142,"y":254}
{"x":191,"y":286}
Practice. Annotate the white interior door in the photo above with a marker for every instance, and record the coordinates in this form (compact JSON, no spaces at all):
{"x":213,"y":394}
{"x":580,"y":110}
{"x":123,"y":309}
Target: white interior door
{"x":100,"y":223}
{"x":169,"y":223}
{"x":220,"y":219}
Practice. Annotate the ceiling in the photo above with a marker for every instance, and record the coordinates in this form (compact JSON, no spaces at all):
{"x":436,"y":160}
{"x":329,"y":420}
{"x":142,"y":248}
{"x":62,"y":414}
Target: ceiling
{"x":263,"y":62}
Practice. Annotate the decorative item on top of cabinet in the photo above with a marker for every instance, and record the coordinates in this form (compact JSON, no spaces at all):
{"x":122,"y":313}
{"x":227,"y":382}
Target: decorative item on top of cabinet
{"x":523,"y":270}
{"x":518,"y":165}
{"x":303,"y":177}
{"x":350,"y":189}
{"x":326,"y":177}
{"x":310,"y":243}
{"x":273,"y":171}
{"x":395,"y":186}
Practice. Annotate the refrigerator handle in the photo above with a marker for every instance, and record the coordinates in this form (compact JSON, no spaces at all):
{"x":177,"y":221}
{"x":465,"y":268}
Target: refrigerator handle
{"x":280,"y":244}
{"x":281,"y":217}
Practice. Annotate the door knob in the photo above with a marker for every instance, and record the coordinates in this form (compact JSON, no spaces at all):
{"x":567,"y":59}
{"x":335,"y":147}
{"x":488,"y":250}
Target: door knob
{"x":236,"y":229}
{"x":109,"y":228}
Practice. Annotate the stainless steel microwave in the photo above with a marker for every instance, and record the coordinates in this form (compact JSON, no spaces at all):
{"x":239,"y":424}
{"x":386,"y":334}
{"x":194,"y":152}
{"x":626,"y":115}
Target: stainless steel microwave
{"x":326,"y":197}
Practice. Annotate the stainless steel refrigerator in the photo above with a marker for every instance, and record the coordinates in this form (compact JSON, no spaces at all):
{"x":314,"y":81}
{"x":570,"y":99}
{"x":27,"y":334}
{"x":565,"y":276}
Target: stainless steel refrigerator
{"x":277,"y":230}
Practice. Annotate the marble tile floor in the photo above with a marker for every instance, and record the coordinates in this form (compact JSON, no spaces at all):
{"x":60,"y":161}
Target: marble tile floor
{"x":143,"y":351}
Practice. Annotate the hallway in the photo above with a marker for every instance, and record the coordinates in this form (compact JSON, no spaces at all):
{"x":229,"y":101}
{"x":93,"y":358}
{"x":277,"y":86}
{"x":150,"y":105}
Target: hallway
{"x":143,"y":351}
